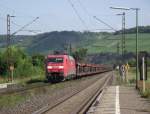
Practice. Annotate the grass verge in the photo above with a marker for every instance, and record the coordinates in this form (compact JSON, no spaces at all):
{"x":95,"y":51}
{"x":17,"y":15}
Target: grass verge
{"x":131,"y":77}
{"x":11,"y":100}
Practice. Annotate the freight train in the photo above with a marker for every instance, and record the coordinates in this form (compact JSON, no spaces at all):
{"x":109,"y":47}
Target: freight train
{"x":64,"y":67}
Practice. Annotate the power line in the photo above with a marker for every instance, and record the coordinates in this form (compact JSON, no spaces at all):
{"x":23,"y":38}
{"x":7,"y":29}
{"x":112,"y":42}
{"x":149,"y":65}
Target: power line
{"x":24,"y":26}
{"x":104,"y":23}
{"x":3,"y":19}
{"x":12,"y":22}
{"x":102,"y":29}
{"x":75,"y":10}
{"x":84,"y":9}
{"x":32,"y":31}
{"x":15,"y":24}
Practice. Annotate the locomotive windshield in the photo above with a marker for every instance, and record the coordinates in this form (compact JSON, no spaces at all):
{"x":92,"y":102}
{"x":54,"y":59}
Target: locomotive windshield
{"x":55,"y":60}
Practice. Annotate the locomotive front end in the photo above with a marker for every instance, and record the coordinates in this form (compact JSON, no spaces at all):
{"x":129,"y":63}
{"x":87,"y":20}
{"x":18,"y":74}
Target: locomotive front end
{"x":55,"y":68}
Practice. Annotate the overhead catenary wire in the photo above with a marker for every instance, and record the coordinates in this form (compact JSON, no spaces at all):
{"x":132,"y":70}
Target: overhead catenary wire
{"x":13,"y":12}
{"x":3,"y":19}
{"x":84,"y":8}
{"x":86,"y":11}
{"x":12,"y":22}
{"x":15,"y":24}
{"x":24,"y":26}
{"x":32,"y":31}
{"x":105,"y":23}
{"x":76,"y":12}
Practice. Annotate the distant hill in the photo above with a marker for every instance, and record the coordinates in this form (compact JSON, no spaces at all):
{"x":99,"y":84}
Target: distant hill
{"x":142,"y":29}
{"x":95,"y":42}
{"x":110,"y":44}
{"x":47,"y":42}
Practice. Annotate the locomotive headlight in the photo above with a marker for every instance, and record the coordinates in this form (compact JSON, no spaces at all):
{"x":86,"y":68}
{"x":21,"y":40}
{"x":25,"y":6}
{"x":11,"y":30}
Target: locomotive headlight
{"x":61,"y":67}
{"x":49,"y":67}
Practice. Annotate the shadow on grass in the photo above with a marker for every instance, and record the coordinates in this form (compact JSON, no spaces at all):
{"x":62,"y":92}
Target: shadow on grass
{"x":32,"y":81}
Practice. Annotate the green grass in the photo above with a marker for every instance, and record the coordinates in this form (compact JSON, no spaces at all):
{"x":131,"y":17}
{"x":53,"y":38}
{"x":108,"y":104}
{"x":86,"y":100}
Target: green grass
{"x":4,"y":80}
{"x":110,"y":44}
{"x":30,"y":80}
{"x":132,"y":79}
{"x":25,"y":80}
{"x":145,"y":94}
{"x":11,"y":100}
{"x":132,"y":76}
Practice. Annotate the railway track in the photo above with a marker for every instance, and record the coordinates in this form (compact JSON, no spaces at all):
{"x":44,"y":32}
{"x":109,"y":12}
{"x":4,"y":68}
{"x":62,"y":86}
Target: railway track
{"x":80,"y":101}
{"x":84,"y":107}
{"x":20,"y":89}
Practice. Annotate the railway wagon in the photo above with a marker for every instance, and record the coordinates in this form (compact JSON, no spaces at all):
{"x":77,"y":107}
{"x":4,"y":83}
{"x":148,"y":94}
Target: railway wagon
{"x":91,"y":69}
{"x":60,"y":67}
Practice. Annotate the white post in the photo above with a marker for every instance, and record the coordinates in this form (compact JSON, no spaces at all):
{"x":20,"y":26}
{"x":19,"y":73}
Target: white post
{"x":143,"y":74}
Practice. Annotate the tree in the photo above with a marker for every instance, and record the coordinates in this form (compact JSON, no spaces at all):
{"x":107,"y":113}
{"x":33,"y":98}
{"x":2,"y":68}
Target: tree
{"x":38,"y":60}
{"x":80,"y":54}
{"x":3,"y":65}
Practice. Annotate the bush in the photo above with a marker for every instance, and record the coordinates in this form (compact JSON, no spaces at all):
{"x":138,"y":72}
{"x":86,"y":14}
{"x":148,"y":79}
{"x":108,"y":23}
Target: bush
{"x":80,"y":54}
{"x":132,"y":62}
{"x":145,"y":94}
{"x":24,"y":65}
{"x":24,"y":68}
{"x":132,"y":81}
{"x":38,"y":60}
{"x":148,"y":61}
{"x":3,"y":66}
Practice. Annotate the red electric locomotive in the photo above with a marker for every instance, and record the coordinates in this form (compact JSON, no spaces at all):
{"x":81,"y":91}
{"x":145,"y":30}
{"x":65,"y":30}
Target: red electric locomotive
{"x":60,"y":67}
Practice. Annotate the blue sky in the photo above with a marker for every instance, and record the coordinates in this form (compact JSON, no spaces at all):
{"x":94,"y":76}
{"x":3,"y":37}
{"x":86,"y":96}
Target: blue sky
{"x":59,"y":15}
